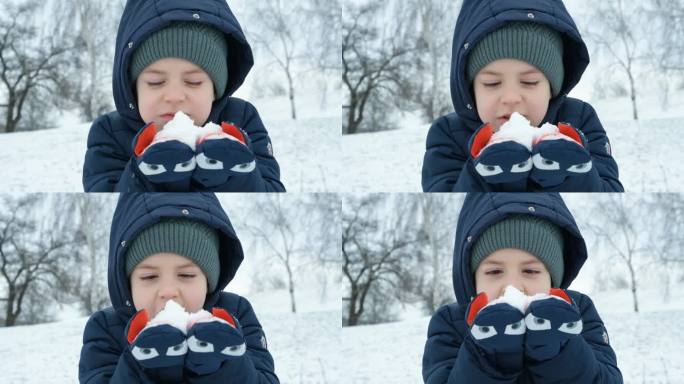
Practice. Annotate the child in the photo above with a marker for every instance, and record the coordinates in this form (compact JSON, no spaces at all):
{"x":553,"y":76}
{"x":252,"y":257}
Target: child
{"x":517,"y":56}
{"x":529,"y":241}
{"x":179,"y":56}
{"x":171,"y":250}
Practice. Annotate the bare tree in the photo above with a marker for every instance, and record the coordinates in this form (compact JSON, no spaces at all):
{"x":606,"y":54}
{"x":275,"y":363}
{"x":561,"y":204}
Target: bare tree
{"x":615,"y":28}
{"x":91,"y":69}
{"x":34,"y":249}
{"x":278,"y":26}
{"x":31,"y":59}
{"x":371,"y":58}
{"x":623,"y":234}
{"x":87,"y":282}
{"x":293,"y":231}
{"x":376,"y":245}
{"x":426,"y":81}
{"x":438,"y":215}
{"x":666,"y":17}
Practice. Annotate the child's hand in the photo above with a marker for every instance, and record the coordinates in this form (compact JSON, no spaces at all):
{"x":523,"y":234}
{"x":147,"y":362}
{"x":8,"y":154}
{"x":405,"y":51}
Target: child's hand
{"x":160,"y":348}
{"x":558,"y":154}
{"x":498,"y":157}
{"x":221,"y":155}
{"x":213,"y":340}
{"x":551,"y":322}
{"x":163,"y":159}
{"x":498,"y":330}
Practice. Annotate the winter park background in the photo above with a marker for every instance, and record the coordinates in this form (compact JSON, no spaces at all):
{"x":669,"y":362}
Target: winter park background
{"x":70,"y":84}
{"x":71,"y":281}
{"x":399,"y":83}
{"x":398,"y":249}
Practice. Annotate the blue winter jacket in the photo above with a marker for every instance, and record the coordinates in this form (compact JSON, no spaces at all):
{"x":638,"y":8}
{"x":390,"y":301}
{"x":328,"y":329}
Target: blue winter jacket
{"x":448,"y":359}
{"x":108,"y":166}
{"x":447,"y":165}
{"x":104,"y":341}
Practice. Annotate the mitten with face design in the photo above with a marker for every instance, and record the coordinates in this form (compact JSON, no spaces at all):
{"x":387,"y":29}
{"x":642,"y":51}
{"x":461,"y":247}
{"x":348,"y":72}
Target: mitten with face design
{"x":221,"y":155}
{"x":558,"y":154}
{"x":158,"y":346}
{"x":498,"y":330}
{"x":551,"y":322}
{"x":213,"y":340}
{"x":501,"y":157}
{"x":163,"y":158}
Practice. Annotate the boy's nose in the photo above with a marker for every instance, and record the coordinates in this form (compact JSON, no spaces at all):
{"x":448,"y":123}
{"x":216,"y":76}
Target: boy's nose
{"x":168,"y":292}
{"x":511,"y":96}
{"x":515,"y":282}
{"x":174,"y":94}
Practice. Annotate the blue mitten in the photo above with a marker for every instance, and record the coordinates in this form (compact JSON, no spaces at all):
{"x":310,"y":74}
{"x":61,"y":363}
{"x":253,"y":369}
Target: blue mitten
{"x":159,"y":349}
{"x":559,"y":155}
{"x":551,"y":322}
{"x":213,"y":341}
{"x":222,"y":155}
{"x":498,"y":330}
{"x":163,"y":159}
{"x":499,"y":159}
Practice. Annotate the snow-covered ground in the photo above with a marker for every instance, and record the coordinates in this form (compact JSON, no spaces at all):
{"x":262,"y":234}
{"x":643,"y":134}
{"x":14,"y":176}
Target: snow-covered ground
{"x":305,"y":346}
{"x":307,"y":150}
{"x":649,"y":345}
{"x":648,"y":151}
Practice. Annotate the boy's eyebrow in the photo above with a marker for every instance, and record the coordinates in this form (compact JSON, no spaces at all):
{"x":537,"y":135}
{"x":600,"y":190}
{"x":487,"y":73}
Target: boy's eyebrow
{"x":531,"y":261}
{"x":145,"y":266}
{"x":492,"y":262}
{"x":160,"y":72}
{"x":186,"y":265}
{"x":528,"y":72}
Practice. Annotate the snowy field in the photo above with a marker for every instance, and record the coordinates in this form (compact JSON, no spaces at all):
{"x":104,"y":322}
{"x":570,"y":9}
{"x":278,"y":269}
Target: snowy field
{"x":648,"y":152}
{"x":649,"y":345}
{"x":305,"y":346}
{"x":307,"y":150}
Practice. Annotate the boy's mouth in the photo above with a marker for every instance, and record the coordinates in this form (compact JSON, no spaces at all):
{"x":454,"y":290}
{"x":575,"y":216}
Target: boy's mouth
{"x":167,"y":116}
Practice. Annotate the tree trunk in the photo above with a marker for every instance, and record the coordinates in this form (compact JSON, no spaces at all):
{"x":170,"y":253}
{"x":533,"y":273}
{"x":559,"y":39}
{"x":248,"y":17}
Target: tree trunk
{"x":291,"y":92}
{"x":634,"y":287}
{"x":291,"y":288}
{"x":632,"y":95}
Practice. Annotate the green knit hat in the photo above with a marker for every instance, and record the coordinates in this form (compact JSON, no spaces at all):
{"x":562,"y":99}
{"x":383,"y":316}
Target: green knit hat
{"x":529,"y":233}
{"x":534,"y":43}
{"x":188,"y":238}
{"x":198,"y":43}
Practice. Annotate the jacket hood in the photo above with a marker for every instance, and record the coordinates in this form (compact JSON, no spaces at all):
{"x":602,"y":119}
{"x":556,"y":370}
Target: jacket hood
{"x":141,"y":18}
{"x":482,"y":210}
{"x":480,"y":17}
{"x":137,"y":211}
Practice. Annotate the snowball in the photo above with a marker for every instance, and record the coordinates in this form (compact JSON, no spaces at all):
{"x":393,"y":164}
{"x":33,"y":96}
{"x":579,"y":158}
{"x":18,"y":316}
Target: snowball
{"x":513,"y":297}
{"x":173,"y":314}
{"x":176,"y":316}
{"x":183,"y":129}
{"x":517,"y":129}
{"x":202,"y":316}
{"x":519,"y":300}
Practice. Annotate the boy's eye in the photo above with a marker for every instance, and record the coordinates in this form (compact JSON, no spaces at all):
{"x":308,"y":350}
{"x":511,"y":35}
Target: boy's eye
{"x":148,"y":277}
{"x":531,"y":271}
{"x":187,"y":275}
{"x":194,"y":83}
{"x":491,"y":85}
{"x":494,"y":272}
{"x":154,"y":83}
{"x":530,"y":83}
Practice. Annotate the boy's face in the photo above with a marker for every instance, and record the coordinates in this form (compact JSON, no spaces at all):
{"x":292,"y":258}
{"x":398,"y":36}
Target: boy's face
{"x":170,"y":85}
{"x":510,"y":266}
{"x":508,"y":85}
{"x":165,"y":276}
